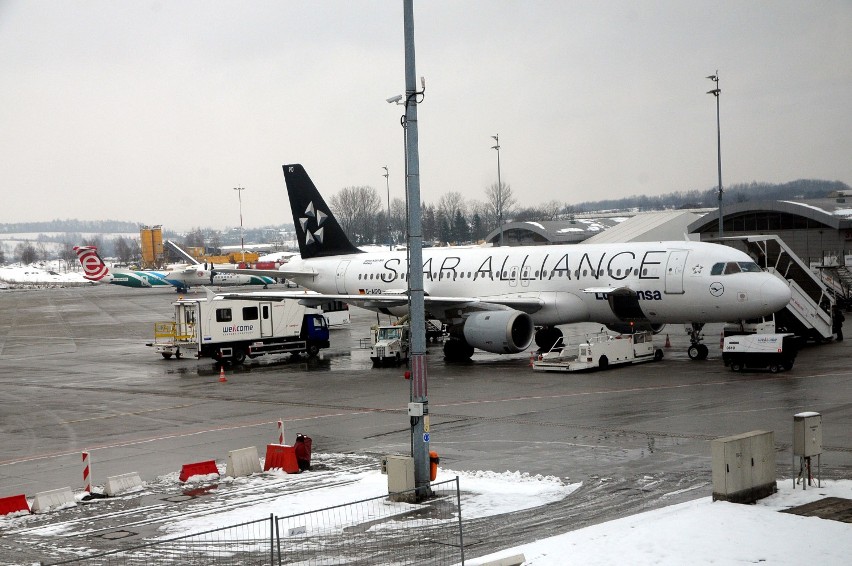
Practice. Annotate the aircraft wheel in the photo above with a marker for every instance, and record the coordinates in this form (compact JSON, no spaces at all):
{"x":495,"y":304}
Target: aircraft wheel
{"x":703,"y":350}
{"x":166,"y":355}
{"x":456,"y":350}
{"x":603,"y":363}
{"x":693,"y":352}
{"x":547,"y":337}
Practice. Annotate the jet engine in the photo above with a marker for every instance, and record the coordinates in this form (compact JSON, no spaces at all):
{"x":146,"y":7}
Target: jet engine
{"x":499,"y":332}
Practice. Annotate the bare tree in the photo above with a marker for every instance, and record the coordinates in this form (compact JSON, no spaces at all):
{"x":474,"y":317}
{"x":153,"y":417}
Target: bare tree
{"x":26,"y":253}
{"x":357,"y":211}
{"x":122,"y":250}
{"x":497,"y":200}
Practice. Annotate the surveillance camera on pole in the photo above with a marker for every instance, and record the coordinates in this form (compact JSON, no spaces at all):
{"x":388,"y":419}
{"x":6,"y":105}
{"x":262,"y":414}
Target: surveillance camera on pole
{"x":394,"y":99}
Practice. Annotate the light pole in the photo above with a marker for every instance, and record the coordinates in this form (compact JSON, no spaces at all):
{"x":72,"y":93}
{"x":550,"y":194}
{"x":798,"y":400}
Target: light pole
{"x":499,"y":189}
{"x":716,"y":92}
{"x":387,"y":184}
{"x":240,"y":197}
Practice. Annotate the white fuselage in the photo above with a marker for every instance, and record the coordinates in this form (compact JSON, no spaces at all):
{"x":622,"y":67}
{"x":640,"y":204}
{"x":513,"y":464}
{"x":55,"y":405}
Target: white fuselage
{"x":672,"y":280}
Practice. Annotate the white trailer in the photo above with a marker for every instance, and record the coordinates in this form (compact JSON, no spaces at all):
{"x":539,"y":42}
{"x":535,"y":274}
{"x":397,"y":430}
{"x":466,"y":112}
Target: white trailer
{"x":772,"y":351}
{"x":601,"y":351}
{"x":232,"y":329}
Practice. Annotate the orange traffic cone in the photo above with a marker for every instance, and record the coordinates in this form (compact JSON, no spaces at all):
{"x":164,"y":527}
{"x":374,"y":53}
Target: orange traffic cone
{"x":668,"y":342}
{"x":222,"y":378}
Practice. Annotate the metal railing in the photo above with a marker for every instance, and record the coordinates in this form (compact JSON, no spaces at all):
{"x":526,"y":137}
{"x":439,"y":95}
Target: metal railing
{"x":371,"y":531}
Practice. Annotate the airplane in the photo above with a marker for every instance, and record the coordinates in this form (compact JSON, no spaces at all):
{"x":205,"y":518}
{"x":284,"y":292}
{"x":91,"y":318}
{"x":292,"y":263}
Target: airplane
{"x":498,"y":298}
{"x":95,"y":269}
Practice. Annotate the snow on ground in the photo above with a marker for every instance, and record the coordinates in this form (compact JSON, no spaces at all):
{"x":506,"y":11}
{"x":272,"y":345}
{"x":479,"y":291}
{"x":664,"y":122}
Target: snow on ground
{"x":704,"y":532}
{"x":39,"y":275}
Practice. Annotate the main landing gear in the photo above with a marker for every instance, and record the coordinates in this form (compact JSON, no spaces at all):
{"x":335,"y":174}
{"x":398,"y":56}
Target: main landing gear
{"x":697,"y":350}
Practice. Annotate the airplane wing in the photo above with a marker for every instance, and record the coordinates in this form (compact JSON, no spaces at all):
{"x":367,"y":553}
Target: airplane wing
{"x":286,"y":273}
{"x":528,"y":305}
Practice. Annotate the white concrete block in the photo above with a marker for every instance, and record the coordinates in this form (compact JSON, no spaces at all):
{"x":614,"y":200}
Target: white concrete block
{"x":243,"y":462}
{"x":122,"y":483}
{"x":47,"y":500}
{"x":516,"y":560}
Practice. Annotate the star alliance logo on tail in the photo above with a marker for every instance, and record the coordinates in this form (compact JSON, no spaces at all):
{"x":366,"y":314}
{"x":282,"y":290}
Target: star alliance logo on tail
{"x":319,"y":217}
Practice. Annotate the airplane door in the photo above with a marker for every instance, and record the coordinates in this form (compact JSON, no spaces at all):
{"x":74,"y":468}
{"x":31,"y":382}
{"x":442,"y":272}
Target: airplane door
{"x":339,"y":278}
{"x":265,"y":319}
{"x":674,"y":271}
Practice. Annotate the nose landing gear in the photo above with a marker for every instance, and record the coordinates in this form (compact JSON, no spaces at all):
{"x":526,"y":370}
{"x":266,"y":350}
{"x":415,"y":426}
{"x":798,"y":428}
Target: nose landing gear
{"x":697,"y":350}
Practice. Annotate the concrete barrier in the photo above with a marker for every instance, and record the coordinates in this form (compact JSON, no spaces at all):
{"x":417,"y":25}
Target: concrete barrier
{"x":516,"y":560}
{"x":46,"y":500}
{"x":243,"y":462}
{"x":122,"y":483}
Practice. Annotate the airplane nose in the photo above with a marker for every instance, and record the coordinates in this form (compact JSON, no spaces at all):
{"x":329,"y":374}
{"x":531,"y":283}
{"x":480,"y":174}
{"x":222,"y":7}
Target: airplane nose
{"x":775,"y":293}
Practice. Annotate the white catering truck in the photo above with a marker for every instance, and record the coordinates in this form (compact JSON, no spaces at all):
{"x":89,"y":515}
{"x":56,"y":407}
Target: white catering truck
{"x":228,"y":329}
{"x":600,"y":350}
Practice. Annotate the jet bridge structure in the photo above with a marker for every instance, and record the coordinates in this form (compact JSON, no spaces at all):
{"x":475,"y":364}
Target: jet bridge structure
{"x":808,"y":313}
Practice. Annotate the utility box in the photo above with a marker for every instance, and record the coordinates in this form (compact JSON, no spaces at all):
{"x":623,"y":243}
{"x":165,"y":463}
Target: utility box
{"x":400,"y":471}
{"x":807,"y":434}
{"x":744,"y":467}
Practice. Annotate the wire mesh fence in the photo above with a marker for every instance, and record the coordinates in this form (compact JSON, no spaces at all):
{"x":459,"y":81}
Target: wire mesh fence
{"x":382,"y":530}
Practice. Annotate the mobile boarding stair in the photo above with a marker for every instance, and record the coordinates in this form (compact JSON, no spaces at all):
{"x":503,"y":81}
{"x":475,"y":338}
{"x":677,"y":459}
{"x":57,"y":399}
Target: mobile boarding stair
{"x":808,"y":313}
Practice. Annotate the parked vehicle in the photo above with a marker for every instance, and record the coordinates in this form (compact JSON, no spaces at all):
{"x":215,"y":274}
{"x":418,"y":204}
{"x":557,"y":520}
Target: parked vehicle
{"x":391,"y":344}
{"x":772,"y":351}
{"x":227,"y":329}
{"x":600,"y":350}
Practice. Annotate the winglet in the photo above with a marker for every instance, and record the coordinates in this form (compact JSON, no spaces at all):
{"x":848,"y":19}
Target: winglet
{"x":317,"y":229}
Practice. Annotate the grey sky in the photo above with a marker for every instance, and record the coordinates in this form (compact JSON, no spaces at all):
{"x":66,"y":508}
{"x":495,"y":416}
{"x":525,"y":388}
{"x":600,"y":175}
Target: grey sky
{"x":154,"y":111}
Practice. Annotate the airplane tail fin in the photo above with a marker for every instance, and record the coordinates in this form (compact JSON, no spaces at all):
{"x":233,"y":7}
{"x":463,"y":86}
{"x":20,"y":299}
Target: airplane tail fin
{"x":94,"y":268}
{"x":317,"y":229}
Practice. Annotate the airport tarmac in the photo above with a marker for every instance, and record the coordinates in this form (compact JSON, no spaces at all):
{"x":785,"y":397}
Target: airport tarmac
{"x":76,"y":376}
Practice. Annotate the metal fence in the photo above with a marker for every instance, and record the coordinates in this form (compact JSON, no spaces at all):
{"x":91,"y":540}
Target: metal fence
{"x":380,"y":530}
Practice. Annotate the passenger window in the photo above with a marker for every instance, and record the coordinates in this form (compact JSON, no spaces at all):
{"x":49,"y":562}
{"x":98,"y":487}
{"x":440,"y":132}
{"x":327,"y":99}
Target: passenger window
{"x":224,"y":315}
{"x":249,"y":313}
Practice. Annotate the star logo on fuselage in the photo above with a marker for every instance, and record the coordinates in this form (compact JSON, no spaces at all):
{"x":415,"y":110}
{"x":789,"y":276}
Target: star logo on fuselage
{"x":696,"y":269}
{"x":319,"y":217}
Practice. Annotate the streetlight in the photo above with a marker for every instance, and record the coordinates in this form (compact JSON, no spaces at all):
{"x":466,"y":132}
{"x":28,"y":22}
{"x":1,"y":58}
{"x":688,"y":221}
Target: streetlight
{"x":240,"y":197}
{"x":716,"y":92}
{"x":387,"y":184}
{"x":499,"y":188}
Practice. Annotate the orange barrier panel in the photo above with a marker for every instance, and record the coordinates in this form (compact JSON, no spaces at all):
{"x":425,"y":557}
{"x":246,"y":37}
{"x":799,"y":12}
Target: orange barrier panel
{"x":281,"y":456}
{"x":14,"y":504}
{"x":198,"y":469}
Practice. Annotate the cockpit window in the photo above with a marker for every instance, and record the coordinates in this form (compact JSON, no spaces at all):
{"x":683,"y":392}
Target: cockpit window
{"x":750,"y":267}
{"x":734,"y":267}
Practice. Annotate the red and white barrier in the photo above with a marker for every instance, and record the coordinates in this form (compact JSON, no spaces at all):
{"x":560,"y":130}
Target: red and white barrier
{"x":87,"y":479}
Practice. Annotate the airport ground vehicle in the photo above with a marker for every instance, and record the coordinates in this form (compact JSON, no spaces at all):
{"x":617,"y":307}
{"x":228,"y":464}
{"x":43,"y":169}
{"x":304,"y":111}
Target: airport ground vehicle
{"x":233,"y":329}
{"x":773,"y":351}
{"x":600,"y":350}
{"x":391,"y":344}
